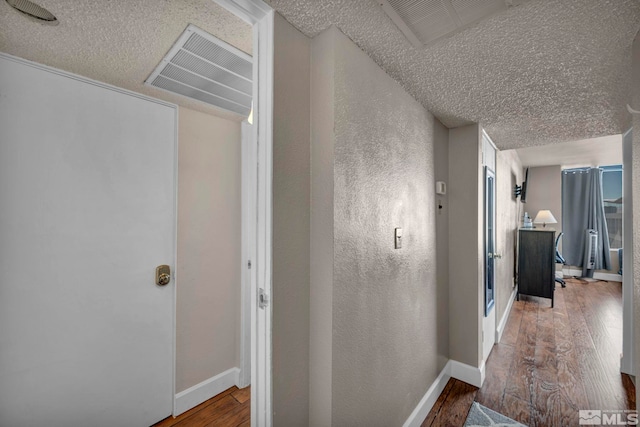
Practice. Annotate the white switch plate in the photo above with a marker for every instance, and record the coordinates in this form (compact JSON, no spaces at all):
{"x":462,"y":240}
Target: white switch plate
{"x":398,"y":238}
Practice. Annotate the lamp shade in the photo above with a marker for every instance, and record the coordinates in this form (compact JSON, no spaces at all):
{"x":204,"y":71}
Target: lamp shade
{"x":545,"y":217}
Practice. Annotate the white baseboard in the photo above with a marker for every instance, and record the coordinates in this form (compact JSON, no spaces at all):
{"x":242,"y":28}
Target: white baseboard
{"x":429,"y":399}
{"x":199,"y":393}
{"x":611,"y":277}
{"x":505,"y":316}
{"x":468,"y":374}
{"x":626,"y":367}
{"x":453,"y":369}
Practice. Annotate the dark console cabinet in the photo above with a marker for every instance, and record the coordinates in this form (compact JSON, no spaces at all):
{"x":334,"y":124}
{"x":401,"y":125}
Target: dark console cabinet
{"x":536,"y":263}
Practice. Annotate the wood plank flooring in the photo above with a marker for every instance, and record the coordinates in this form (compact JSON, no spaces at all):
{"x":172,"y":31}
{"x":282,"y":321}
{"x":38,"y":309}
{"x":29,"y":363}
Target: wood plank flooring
{"x":231,"y":408}
{"x":551,"y":362}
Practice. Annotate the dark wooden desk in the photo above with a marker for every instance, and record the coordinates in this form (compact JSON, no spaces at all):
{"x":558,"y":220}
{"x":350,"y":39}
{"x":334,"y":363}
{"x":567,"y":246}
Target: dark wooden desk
{"x":536,"y":262}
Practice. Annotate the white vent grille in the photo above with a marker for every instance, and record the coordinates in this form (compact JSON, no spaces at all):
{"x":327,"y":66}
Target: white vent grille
{"x":425,"y":21}
{"x":202,"y":67}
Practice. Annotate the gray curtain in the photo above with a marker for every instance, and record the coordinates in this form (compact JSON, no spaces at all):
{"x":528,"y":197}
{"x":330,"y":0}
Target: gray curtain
{"x":582,"y":209}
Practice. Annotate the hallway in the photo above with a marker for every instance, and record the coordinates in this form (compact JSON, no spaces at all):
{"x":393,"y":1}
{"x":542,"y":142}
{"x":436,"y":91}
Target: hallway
{"x":551,"y":362}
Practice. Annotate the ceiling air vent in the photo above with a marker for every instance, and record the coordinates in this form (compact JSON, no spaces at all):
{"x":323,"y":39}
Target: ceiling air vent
{"x":425,"y":21}
{"x":203,"y":67}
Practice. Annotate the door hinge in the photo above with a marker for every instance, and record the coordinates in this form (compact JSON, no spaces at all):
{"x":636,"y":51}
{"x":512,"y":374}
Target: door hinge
{"x":263,"y":298}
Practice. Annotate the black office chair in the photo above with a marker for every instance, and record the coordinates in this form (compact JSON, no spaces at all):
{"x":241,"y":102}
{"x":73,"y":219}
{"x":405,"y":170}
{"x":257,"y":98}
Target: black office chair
{"x":560,"y":259}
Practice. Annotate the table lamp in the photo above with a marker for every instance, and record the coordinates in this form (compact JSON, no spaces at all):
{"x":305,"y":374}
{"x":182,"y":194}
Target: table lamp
{"x":545,"y":217}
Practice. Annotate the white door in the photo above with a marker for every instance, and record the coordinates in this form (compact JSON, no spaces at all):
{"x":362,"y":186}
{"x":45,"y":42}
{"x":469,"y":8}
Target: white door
{"x":489,"y":320}
{"x":87,"y":212}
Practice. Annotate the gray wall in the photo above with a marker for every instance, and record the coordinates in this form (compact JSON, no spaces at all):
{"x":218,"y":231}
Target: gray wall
{"x":322,"y":223}
{"x":207,"y":307}
{"x":508,"y":214}
{"x":545,"y":192}
{"x":465,"y":244}
{"x":441,"y":173}
{"x":384,"y":316}
{"x":291,"y":216}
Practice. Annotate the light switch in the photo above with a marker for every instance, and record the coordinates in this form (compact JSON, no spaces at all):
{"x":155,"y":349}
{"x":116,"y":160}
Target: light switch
{"x":398,"y":238}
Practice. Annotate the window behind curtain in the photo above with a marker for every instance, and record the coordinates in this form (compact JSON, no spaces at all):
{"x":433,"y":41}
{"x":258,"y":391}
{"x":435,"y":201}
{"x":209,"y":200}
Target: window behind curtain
{"x":612,"y":195}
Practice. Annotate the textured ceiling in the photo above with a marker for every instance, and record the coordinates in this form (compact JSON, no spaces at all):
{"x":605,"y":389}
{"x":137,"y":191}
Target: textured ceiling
{"x":118,"y":42}
{"x":603,"y":151}
{"x":543,"y":72}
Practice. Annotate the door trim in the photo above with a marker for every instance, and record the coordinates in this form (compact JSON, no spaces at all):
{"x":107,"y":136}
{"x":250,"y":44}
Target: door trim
{"x":489,"y":315}
{"x":248,"y":232}
{"x":261,"y":403}
{"x":489,"y":173}
{"x":261,"y":16}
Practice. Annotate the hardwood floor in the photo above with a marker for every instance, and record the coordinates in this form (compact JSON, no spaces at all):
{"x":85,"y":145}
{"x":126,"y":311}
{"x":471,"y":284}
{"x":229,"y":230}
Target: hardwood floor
{"x":231,"y":408}
{"x":551,"y":362}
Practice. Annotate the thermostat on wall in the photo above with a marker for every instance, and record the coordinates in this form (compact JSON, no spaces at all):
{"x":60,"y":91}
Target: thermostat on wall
{"x":441,"y":187}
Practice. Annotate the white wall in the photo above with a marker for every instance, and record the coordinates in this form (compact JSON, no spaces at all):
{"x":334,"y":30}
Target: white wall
{"x":208,"y":266}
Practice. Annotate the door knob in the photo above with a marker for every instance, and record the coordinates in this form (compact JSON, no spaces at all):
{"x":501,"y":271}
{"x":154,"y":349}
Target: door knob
{"x":163,"y":275}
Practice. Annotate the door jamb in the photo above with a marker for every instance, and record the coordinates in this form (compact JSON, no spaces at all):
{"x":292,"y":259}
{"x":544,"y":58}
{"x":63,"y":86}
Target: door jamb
{"x":261,"y":16}
{"x":488,"y":148}
{"x":248,"y":249}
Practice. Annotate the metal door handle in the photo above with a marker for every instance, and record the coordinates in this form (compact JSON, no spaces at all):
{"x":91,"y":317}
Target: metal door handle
{"x":163,"y":275}
{"x":497,"y":256}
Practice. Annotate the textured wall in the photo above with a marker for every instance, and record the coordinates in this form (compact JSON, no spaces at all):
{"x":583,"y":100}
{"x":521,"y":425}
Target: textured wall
{"x":322,"y":231}
{"x":441,"y":173}
{"x":385,"y":317}
{"x":208,"y":305}
{"x":628,"y":339}
{"x":544,"y":191}
{"x":465,"y":244}
{"x":635,"y":102}
{"x":291,"y":216}
{"x":509,"y":211}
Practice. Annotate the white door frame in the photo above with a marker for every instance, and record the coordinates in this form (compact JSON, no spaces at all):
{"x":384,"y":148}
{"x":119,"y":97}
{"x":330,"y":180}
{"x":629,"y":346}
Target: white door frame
{"x":489,"y":320}
{"x":260,"y":15}
{"x":248,"y":248}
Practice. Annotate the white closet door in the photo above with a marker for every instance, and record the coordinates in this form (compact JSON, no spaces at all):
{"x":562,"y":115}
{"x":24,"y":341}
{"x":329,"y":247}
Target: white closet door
{"x":87,"y":212}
